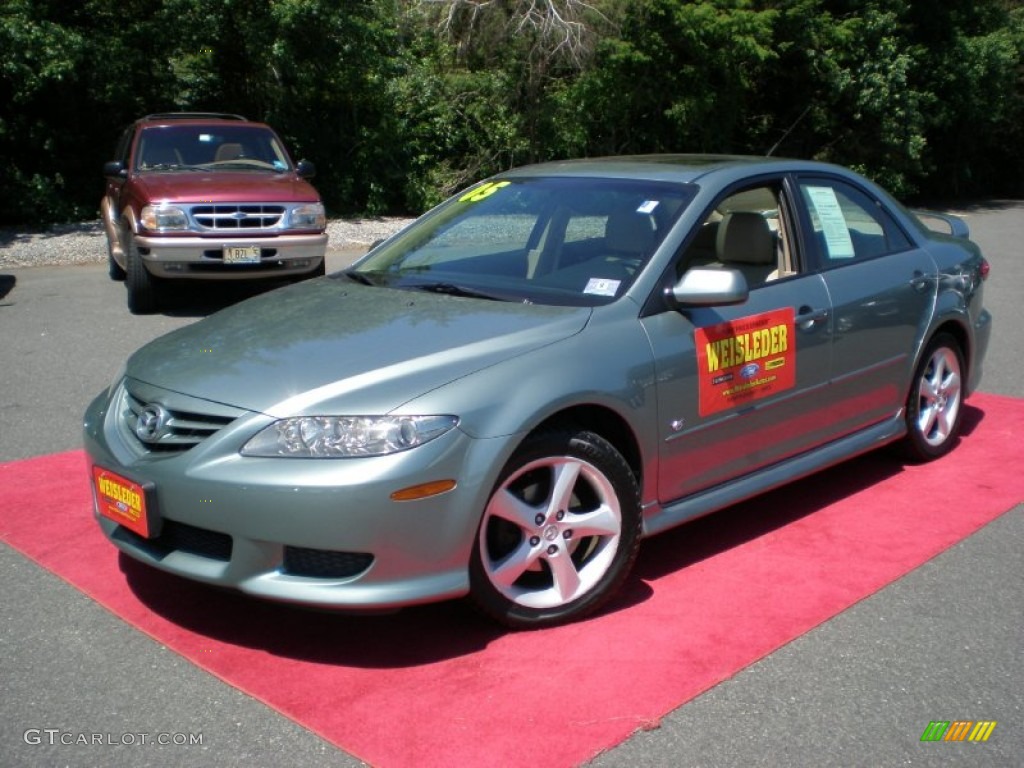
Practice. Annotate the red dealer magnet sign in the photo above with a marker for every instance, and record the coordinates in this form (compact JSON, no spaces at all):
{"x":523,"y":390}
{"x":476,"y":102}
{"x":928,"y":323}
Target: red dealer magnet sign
{"x":744,"y":360}
{"x":125,"y":502}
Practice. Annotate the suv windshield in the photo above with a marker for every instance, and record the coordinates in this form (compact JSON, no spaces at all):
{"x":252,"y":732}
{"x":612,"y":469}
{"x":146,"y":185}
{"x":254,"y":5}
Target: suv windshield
{"x":569,"y":241}
{"x":210,"y":147}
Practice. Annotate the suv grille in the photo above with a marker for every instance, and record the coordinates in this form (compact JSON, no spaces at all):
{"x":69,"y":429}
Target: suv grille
{"x":177,"y":428}
{"x":235,"y":217}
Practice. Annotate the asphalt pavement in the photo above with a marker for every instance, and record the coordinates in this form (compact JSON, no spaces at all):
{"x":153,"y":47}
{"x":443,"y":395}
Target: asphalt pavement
{"x":944,"y":642}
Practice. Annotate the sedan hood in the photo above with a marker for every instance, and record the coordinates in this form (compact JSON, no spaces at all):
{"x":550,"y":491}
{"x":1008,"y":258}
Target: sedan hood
{"x":226,"y":186}
{"x":330,"y":346}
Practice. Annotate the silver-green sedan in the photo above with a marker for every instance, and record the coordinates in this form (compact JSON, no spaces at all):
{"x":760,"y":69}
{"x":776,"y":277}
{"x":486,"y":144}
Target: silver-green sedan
{"x":502,"y":400}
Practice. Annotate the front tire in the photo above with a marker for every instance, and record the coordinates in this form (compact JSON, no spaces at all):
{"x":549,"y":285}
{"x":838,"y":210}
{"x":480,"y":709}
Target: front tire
{"x":113,"y":268}
{"x":559,"y":534}
{"x":934,"y":407}
{"x":143,"y":294}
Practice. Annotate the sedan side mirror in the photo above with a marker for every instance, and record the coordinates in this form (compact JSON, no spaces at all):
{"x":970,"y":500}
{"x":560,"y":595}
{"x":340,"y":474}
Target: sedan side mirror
{"x":113,"y":168}
{"x":702,"y":287}
{"x":305,"y":169}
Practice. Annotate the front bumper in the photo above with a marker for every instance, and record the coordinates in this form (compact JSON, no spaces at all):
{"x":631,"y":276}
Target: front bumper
{"x":202,"y":257}
{"x":317,"y":532}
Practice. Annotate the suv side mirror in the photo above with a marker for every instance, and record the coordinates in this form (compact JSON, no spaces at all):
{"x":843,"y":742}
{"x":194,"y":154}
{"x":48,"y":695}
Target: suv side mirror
{"x":113,"y":168}
{"x":700,"y":287}
{"x":305,"y":169}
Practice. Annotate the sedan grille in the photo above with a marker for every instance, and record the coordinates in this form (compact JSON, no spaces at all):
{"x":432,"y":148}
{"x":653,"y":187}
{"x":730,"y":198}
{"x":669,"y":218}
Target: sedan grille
{"x":154,"y":422}
{"x":236,"y":217}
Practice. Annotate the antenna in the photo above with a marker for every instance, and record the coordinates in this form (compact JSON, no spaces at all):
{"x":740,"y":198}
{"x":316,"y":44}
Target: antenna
{"x":788,"y":131}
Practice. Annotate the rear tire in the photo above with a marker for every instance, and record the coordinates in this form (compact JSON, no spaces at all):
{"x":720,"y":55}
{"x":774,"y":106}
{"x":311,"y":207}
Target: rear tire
{"x":559,"y":534}
{"x":934,"y":407}
{"x":143,"y":292}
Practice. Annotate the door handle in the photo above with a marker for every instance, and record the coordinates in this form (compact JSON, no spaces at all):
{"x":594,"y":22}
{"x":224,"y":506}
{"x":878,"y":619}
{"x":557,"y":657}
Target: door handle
{"x":808,"y":318}
{"x":919,"y":282}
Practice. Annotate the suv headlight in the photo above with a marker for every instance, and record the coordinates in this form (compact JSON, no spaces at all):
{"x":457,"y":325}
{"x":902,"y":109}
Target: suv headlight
{"x":309,"y":216}
{"x":338,"y":437}
{"x":164,"y":217}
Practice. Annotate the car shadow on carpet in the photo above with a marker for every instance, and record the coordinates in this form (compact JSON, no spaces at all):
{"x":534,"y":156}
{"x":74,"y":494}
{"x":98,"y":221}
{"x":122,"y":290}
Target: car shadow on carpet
{"x":432,"y":633}
{"x":706,"y":537}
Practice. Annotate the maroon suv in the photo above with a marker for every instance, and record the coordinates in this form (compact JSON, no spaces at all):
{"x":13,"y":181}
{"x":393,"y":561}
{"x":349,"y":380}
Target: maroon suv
{"x":207,"y":196}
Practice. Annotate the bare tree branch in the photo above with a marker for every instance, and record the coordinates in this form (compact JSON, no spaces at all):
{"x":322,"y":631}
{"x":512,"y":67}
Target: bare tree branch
{"x":559,"y":26}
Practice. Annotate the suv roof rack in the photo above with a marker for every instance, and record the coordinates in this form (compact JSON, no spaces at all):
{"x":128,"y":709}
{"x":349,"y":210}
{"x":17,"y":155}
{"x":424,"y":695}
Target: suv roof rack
{"x":194,"y":116}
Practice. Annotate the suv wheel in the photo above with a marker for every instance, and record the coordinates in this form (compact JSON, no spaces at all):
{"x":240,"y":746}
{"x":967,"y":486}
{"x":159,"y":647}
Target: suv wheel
{"x":113,"y":268}
{"x":142,"y":287}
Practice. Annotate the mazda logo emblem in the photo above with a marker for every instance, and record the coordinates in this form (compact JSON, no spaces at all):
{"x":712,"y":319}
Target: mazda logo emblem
{"x":152,"y":423}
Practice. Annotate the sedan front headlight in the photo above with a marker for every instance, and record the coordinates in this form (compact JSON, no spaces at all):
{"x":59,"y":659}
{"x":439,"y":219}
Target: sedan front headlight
{"x":309,"y":216}
{"x":339,"y":437}
{"x":163,"y":217}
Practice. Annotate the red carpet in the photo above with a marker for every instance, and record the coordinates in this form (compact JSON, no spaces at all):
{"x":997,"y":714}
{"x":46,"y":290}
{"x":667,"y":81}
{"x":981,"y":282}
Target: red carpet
{"x":439,"y":686}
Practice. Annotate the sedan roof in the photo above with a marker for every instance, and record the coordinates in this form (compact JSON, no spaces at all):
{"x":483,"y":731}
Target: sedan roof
{"x":677,"y":168}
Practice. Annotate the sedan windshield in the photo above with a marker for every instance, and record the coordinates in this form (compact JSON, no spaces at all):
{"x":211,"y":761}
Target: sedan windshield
{"x":567,"y":241}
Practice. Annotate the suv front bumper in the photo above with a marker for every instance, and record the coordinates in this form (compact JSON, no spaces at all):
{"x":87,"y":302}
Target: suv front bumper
{"x":202,"y":257}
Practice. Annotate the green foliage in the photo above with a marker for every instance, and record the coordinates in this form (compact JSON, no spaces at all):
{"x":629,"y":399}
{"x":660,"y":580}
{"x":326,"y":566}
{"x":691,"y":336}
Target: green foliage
{"x":456,"y":129}
{"x":401,"y":102}
{"x":972,"y":62}
{"x":331,"y":63}
{"x":39,"y":82}
{"x":867,"y":70}
{"x":679,"y":77}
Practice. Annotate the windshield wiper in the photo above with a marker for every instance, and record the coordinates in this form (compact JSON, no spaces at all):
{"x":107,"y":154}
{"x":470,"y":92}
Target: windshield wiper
{"x":358,"y":277}
{"x":174,"y":167}
{"x":451,"y":289}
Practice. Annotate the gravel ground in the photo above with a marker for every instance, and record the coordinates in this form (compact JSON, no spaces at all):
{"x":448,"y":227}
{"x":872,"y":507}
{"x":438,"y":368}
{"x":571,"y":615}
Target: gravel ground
{"x":85,"y":243}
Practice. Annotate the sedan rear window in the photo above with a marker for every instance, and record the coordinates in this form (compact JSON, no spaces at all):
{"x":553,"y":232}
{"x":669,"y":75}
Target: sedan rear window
{"x":847,"y":224}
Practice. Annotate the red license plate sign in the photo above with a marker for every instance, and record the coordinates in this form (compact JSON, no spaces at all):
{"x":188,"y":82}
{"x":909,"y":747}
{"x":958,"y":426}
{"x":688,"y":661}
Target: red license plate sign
{"x":123,"y":501}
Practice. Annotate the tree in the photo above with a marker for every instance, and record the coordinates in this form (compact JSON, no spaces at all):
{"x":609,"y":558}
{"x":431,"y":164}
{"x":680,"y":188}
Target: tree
{"x":678,"y":77}
{"x":532,"y":45}
{"x":400,"y":102}
{"x":40,"y":87}
{"x":971,"y":62}
{"x":555,"y":29}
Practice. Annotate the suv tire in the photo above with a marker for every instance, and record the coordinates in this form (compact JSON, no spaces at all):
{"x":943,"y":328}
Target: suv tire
{"x":114,"y":269}
{"x":143,"y":293}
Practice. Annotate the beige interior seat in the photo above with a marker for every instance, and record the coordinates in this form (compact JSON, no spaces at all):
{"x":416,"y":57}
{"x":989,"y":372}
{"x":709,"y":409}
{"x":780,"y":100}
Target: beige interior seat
{"x":746,"y":242}
{"x":228,"y":151}
{"x":160,"y":154}
{"x":629,"y":235}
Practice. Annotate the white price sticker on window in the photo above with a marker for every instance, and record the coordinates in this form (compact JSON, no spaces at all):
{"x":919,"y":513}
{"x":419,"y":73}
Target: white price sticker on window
{"x":833,"y":223}
{"x":601,"y":286}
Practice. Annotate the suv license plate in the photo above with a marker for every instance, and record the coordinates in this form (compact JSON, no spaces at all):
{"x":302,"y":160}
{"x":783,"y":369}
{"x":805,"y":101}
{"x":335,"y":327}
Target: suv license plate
{"x":246,"y":254}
